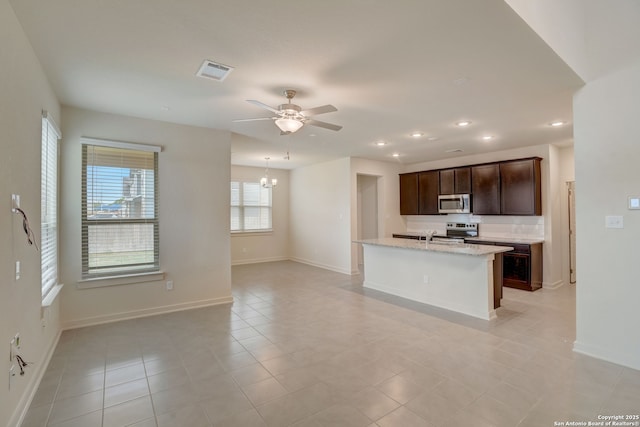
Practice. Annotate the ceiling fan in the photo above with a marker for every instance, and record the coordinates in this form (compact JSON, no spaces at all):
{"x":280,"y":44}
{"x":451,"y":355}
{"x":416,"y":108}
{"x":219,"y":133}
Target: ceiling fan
{"x":290,"y":117}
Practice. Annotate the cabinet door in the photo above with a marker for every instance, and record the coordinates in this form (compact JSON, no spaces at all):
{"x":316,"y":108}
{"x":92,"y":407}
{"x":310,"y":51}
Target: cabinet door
{"x":462,"y":180}
{"x":455,"y":181}
{"x":485,"y":180}
{"x":409,"y":194}
{"x":520,"y":183}
{"x":447,"y":181}
{"x":429,"y":185}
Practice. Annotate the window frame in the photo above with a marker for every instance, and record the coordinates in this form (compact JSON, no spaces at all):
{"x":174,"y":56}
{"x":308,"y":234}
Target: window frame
{"x":49,"y":198}
{"x":117,"y":272}
{"x":242,"y":205}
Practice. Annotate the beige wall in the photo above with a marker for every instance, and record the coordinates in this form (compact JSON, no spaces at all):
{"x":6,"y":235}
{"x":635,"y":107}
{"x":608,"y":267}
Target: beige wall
{"x":606,"y":54}
{"x":24,"y":93}
{"x":607,"y":153}
{"x":320,"y":212}
{"x":194,"y":196}
{"x":249,"y":248}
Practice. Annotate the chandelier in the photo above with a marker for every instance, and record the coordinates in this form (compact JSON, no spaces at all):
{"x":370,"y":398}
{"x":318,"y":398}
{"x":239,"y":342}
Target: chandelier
{"x":264,"y":181}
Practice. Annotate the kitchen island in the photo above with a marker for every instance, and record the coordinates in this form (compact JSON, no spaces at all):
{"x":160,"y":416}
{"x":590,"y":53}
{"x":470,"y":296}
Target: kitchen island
{"x":457,"y":277}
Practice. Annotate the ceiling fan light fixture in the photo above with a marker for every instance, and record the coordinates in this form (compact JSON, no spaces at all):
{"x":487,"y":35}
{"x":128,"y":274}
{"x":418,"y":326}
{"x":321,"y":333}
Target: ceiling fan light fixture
{"x":288,"y":124}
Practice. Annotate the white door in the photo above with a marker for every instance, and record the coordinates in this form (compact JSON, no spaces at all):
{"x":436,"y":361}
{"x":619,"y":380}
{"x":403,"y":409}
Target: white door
{"x":572,"y":230}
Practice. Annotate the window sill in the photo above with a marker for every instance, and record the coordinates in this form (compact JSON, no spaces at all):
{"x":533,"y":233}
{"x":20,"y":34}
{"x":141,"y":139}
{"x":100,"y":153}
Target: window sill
{"x":128,"y":279}
{"x":251,"y":233}
{"x":51,"y":296}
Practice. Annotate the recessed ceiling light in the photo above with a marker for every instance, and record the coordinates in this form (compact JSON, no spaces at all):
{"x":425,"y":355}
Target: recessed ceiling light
{"x":432,"y":138}
{"x":463,"y":123}
{"x":417,"y":134}
{"x":557,"y":124}
{"x":381,"y":143}
{"x":396,"y":155}
{"x":454,"y":150}
{"x":165,"y":108}
{"x":487,"y":137}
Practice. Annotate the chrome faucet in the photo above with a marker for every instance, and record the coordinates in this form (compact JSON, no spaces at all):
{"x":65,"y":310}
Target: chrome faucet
{"x":428,"y":235}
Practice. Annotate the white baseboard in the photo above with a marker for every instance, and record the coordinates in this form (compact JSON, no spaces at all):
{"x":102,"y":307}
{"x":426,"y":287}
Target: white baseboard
{"x":25,"y":401}
{"x":109,"y":318}
{"x":554,"y":285}
{"x":320,"y":265}
{"x":605,"y":353}
{"x":258,"y":260}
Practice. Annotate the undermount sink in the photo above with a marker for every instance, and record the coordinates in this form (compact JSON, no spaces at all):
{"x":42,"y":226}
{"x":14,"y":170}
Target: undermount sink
{"x":448,"y":242}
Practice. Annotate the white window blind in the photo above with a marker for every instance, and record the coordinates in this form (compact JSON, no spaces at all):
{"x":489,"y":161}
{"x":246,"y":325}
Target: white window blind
{"x":250,"y":207}
{"x":120,"y":228}
{"x":49,"y":204}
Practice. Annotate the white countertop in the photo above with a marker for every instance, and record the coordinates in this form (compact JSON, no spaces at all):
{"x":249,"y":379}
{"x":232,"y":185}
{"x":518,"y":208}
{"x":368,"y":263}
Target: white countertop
{"x":460,"y":248}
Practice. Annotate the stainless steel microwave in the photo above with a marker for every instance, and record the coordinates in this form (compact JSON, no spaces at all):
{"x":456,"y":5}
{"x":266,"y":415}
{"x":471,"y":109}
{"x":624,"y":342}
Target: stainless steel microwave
{"x":454,"y":203}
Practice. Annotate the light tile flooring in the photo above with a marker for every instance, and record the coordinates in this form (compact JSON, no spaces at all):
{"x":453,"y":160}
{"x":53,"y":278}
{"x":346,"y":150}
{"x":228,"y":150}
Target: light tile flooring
{"x":304,"y":346}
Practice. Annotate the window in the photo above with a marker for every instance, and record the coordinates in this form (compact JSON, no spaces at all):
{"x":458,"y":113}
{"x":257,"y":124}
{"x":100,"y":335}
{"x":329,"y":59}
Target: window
{"x":49,"y":204}
{"x":120,"y":233}
{"x":250,"y":207}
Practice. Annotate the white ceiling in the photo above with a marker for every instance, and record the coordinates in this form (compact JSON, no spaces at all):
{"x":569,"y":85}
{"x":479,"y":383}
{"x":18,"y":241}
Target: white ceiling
{"x":389,"y":67}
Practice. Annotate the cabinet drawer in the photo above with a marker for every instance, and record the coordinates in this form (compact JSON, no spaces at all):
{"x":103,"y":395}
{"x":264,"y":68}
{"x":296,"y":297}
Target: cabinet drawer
{"x":519,"y":248}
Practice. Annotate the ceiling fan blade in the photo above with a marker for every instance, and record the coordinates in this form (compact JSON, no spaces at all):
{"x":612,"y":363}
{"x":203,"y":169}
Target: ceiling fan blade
{"x":325,"y":125}
{"x":262,"y":105}
{"x":319,"y":110}
{"x":253,"y":120}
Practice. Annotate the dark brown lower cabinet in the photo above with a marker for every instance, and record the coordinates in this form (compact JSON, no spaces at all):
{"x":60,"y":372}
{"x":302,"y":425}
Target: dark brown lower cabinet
{"x":522,"y":267}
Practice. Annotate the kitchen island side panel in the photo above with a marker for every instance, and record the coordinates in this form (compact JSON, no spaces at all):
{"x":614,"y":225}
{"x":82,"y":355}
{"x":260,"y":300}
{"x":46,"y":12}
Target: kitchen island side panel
{"x":460,"y":283}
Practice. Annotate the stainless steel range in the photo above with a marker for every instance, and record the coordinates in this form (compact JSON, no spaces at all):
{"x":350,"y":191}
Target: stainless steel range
{"x":457,"y":232}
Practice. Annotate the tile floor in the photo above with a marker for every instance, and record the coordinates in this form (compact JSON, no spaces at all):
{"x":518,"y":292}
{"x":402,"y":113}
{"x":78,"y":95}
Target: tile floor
{"x":304,"y":346}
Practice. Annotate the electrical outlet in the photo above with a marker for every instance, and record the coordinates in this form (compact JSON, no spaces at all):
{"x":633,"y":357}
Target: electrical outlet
{"x":169,"y":285}
{"x":17,"y":270}
{"x":425,"y":279}
{"x":12,"y":374}
{"x":14,"y":346}
{"x":15,"y":202}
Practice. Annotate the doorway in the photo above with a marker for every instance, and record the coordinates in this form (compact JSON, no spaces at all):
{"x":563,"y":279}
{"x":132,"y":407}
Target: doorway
{"x":571,"y":194}
{"x":367,"y":211}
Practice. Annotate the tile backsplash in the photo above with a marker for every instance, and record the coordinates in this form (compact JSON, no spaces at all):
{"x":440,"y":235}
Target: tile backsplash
{"x":525,"y":227}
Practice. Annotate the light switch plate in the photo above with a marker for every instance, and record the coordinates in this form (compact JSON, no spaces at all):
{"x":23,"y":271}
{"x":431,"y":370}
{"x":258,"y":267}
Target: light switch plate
{"x":634,"y":202}
{"x":613,"y":221}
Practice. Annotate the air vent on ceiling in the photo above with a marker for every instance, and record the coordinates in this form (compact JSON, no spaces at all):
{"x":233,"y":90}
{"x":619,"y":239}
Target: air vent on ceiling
{"x":213,"y":70}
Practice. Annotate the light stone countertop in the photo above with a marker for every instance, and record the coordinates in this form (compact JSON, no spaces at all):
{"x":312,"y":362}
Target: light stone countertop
{"x":523,"y":241}
{"x":520,"y":240}
{"x":459,"y":248}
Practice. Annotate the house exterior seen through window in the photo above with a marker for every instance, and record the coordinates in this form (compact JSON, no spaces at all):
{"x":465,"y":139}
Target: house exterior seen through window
{"x":120,"y":228}
{"x":251,"y":207}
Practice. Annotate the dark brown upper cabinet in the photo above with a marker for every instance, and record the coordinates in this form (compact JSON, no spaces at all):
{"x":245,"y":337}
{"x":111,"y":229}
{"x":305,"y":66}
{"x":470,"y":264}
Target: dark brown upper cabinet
{"x":500,"y":188}
{"x":409,"y":194}
{"x":485,"y":199}
{"x":520,"y":183}
{"x":428,"y":187}
{"x":455,"y":181}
